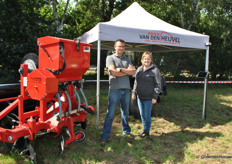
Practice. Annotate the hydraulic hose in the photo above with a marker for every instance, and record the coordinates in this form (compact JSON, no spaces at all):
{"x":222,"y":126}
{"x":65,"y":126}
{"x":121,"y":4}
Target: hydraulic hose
{"x":78,"y":98}
{"x":86,"y":103}
{"x":60,"y":105}
{"x":69,"y":101}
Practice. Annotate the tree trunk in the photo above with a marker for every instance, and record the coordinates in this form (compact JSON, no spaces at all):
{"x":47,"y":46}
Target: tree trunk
{"x":195,"y":8}
{"x":59,"y":24}
{"x":107,"y":11}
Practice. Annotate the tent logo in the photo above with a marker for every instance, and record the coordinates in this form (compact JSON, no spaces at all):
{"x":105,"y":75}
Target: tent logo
{"x":163,"y":37}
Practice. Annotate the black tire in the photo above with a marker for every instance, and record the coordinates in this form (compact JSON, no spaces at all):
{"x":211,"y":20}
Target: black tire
{"x":134,"y":109}
{"x":32,"y":60}
{"x":131,"y":111}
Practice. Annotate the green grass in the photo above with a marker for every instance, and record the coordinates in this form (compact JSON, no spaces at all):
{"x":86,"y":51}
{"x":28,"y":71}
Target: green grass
{"x":178,"y":133}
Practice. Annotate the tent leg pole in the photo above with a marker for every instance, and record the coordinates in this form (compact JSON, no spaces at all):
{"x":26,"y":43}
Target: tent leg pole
{"x":205,"y":84}
{"x":98,"y":81}
{"x":205,"y":99}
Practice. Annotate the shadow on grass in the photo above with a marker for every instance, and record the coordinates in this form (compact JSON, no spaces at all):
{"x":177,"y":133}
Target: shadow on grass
{"x":169,"y":147}
{"x":155,"y":149}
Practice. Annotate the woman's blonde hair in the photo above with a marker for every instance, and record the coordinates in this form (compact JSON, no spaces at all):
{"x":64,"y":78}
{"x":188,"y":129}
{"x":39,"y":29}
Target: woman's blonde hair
{"x":147,"y":54}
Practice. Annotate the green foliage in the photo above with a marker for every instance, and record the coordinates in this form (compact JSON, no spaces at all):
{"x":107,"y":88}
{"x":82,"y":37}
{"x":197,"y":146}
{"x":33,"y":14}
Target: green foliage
{"x":84,"y":16}
{"x":21,"y":25}
{"x":217,"y":16}
{"x":8,"y":75}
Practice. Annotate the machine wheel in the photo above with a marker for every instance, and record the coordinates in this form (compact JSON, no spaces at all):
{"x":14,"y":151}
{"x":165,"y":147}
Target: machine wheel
{"x":31,"y":60}
{"x":7,"y":123}
{"x":82,"y":136}
{"x":20,"y":146}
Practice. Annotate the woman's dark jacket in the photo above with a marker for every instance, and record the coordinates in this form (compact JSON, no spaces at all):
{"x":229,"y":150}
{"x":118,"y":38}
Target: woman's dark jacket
{"x":147,"y":84}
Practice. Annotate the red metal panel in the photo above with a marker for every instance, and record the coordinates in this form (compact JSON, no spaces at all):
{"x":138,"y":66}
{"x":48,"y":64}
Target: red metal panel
{"x":53,"y":60}
{"x":41,"y":83}
{"x":77,"y":61}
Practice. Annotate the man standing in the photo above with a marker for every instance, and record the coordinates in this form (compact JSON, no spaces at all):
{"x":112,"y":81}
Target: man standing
{"x":119,"y":68}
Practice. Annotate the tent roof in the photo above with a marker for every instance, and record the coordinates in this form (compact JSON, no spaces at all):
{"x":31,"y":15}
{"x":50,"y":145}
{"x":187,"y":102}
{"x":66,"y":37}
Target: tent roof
{"x":144,"y":32}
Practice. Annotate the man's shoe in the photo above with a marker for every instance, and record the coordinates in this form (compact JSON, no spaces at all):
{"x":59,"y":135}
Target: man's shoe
{"x":103,"y":143}
{"x":144,"y":134}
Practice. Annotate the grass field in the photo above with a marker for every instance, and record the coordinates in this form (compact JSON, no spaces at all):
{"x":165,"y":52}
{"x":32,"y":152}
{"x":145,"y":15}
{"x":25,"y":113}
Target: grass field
{"x":178,"y":133}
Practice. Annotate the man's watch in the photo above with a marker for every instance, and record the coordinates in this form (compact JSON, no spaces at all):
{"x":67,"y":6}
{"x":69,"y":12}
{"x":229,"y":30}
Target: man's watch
{"x":120,"y":69}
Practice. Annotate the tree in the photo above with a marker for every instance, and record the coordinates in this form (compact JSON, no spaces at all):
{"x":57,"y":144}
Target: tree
{"x":87,"y":14}
{"x":21,"y":24}
{"x":216,"y":18}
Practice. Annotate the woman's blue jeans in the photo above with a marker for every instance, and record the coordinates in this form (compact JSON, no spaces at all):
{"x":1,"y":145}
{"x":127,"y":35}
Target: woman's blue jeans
{"x":116,"y":96}
{"x":145,"y":107}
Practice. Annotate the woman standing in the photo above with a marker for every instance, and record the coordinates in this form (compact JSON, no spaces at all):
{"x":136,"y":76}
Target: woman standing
{"x":147,"y":87}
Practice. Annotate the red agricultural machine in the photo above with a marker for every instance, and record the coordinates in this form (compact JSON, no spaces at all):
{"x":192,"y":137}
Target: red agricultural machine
{"x":53,"y":86}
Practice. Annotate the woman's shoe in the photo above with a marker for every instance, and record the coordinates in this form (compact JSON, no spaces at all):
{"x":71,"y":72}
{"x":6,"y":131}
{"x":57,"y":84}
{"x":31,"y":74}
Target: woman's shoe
{"x":103,"y":143}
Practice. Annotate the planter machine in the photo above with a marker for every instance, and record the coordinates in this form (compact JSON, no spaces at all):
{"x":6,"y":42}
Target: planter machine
{"x":54,"y":89}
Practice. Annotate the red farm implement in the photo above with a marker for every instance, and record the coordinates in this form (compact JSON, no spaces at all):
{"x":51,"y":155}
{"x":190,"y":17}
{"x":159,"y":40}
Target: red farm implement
{"x":52,"y":84}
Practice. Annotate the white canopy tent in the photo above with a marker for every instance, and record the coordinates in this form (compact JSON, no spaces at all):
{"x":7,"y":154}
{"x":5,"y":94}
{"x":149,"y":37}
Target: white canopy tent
{"x":144,"y":32}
